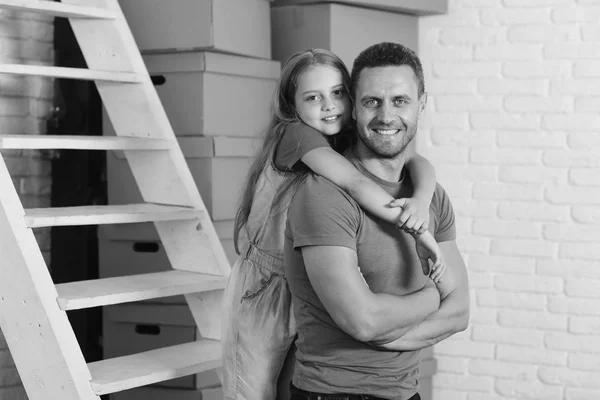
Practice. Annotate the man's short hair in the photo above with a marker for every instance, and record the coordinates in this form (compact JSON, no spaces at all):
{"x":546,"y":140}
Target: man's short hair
{"x":387,"y":54}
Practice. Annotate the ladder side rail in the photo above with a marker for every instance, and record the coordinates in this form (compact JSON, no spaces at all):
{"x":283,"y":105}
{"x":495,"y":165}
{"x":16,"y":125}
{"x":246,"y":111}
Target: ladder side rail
{"x":143,"y":99}
{"x":38,"y":333}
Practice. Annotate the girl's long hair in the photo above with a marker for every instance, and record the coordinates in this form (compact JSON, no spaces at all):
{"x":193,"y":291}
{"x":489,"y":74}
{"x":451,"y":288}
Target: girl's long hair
{"x":283,"y":114}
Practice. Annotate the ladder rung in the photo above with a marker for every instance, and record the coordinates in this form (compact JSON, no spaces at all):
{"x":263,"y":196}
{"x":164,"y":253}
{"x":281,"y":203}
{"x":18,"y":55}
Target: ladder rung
{"x":111,"y":214}
{"x":125,"y":289}
{"x":122,"y":373}
{"x":70,"y":73}
{"x":58,"y":9}
{"x":81,"y":142}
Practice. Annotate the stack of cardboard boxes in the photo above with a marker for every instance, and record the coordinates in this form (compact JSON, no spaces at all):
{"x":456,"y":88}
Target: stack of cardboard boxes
{"x":211,"y":64}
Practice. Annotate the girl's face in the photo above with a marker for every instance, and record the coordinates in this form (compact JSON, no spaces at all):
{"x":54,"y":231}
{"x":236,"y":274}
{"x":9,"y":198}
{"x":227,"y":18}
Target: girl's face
{"x":321,"y":100}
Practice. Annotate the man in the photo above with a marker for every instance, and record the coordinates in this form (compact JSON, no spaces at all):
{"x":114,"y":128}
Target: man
{"x":356,"y":340}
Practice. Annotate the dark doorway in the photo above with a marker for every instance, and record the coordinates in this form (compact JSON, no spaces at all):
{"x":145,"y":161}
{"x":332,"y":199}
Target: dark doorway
{"x":77,"y":179}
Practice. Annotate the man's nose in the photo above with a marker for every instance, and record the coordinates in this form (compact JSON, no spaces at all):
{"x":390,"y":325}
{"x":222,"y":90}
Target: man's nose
{"x":386,"y":114}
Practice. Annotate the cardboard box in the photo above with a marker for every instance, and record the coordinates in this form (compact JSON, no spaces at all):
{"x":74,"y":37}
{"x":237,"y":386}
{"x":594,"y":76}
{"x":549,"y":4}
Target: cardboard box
{"x":211,"y":94}
{"x":334,"y":27}
{"x":417,"y":7}
{"x":232,"y":26}
{"x":134,"y":328}
{"x":219,"y":167}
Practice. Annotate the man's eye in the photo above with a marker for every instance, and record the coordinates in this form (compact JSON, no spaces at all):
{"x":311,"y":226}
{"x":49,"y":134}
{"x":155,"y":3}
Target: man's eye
{"x":401,"y":102}
{"x":370,"y":103}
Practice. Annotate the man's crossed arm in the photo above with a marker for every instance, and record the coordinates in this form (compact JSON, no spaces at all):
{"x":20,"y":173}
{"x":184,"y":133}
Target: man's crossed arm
{"x":393,"y":322}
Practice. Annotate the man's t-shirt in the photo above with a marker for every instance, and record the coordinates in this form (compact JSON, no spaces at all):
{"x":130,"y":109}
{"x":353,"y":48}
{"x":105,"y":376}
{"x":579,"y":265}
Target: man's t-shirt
{"x":322,"y":214}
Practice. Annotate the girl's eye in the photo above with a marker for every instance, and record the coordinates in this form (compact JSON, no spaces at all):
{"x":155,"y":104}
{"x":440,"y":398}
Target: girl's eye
{"x":338,"y":92}
{"x":311,"y":98}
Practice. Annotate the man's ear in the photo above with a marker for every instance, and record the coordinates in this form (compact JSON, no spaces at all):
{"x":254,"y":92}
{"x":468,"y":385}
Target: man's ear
{"x":422,"y":104}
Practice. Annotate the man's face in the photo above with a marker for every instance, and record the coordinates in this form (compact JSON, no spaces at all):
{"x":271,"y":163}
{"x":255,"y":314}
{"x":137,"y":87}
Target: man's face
{"x":387,"y":109}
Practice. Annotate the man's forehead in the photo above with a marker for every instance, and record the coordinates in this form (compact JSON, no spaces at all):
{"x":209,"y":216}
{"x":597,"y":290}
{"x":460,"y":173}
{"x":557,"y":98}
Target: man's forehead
{"x":378,"y":79}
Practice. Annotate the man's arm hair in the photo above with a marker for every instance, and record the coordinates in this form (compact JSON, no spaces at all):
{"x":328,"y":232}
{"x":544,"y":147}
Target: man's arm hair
{"x":453,"y":313}
{"x":364,"y":315}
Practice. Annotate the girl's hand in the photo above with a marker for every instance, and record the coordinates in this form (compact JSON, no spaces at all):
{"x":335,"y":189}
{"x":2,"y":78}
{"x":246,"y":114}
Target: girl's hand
{"x":429,"y":250}
{"x":414,"y":217}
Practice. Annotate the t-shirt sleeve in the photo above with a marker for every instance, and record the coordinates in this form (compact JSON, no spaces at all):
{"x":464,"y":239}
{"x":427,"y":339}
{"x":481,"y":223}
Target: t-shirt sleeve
{"x":321,"y":214}
{"x":298,"y":139}
{"x":445,"y":229}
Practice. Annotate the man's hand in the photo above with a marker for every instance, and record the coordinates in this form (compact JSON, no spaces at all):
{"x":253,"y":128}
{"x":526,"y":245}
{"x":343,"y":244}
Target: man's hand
{"x":414,"y":217}
{"x":428,"y":249}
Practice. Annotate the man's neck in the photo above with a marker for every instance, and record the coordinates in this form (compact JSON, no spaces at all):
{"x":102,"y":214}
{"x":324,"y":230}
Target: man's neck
{"x":387,"y":169}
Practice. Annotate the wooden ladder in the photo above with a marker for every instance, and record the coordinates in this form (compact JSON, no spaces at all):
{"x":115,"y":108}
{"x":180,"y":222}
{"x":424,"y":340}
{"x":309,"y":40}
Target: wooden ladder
{"x":32,"y":308}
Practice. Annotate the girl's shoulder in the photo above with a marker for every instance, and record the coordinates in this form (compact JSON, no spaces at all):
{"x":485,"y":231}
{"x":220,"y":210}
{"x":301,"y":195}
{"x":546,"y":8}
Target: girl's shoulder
{"x":297,"y":140}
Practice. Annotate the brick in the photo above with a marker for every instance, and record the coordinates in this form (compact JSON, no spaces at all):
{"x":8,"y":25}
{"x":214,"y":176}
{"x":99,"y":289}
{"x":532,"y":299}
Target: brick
{"x":13,"y":393}
{"x":463,"y":226}
{"x":506,"y":156}
{"x":571,"y":306}
{"x":480,"y":280}
{"x":470,"y":103}
{"x":530,"y":174}
{"x":585,"y":362}
{"x":510,"y":229}
{"x":585,"y":177}
{"x":501,"y":369}
{"x":544,"y":33}
{"x":531,"y":139}
{"x":505,"y":86}
{"x":469,"y":173}
{"x":580,"y":122}
{"x":482,"y":396}
{"x":9,"y":377}
{"x":477,"y":3}
{"x":503,"y":264}
{"x":532,"y":104}
{"x":584,"y":325}
{"x":464,"y":348}
{"x":457,"y":189}
{"x":483,"y":316}
{"x":448,"y":394}
{"x":567,"y":194}
{"x":530,"y":284}
{"x":508,"y":52}
{"x":473,"y":244}
{"x":463,"y":383}
{"x":582,"y":251}
{"x":447,"y":155}
{"x":586,"y":214}
{"x":572,"y":158}
{"x":464,"y":18}
{"x":450,"y":120}
{"x":581,"y":394}
{"x":568,"y":377}
{"x":568,"y":268}
{"x":460,"y":137}
{"x":505,"y":300}
{"x":587,"y":104}
{"x":453,"y":53}
{"x":505,"y":191}
{"x":452,"y":365}
{"x":528,"y":355}
{"x":584,"y":140}
{"x":496,"y":334}
{"x":524,"y":247}
{"x":528,"y":390}
{"x":38,"y":185}
{"x":26,"y":166}
{"x":572,"y":233}
{"x":575,"y":87}
{"x":576,"y":14}
{"x":534,"y":3}
{"x":573,"y":51}
{"x":504,"y":121}
{"x":536,"y":69}
{"x":573,"y":343}
{"x":586,"y":69}
{"x":534,"y":320}
{"x":465,"y":69}
{"x":512,"y":17}
{"x":451,"y":86}
{"x":474,"y":208}
{"x":590,"y":32}
{"x":469,"y":35}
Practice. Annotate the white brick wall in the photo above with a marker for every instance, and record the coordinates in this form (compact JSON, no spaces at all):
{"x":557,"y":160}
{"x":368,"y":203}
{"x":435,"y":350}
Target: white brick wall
{"x":25,"y":103}
{"x":513,"y":128}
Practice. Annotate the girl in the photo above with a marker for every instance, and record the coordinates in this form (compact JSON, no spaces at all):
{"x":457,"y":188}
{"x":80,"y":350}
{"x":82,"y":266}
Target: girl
{"x":311,"y":107}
